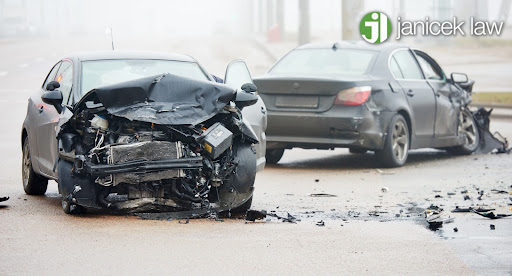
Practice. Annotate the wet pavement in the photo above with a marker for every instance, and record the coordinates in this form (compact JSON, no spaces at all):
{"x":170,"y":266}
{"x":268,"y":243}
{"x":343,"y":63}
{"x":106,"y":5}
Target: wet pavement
{"x":351,"y":216}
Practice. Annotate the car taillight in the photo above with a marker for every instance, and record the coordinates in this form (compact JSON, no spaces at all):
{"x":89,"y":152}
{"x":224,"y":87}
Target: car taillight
{"x":353,"y":96}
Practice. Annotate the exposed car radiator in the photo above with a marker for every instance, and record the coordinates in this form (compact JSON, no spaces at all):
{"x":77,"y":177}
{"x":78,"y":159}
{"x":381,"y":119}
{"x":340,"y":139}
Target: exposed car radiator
{"x":151,"y":151}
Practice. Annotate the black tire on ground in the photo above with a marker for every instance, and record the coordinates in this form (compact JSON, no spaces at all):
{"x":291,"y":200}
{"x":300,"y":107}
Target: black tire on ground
{"x":467,"y":126}
{"x":242,"y":209}
{"x":396,"y":145}
{"x":33,"y":184}
{"x":273,"y":155}
{"x":357,"y":150}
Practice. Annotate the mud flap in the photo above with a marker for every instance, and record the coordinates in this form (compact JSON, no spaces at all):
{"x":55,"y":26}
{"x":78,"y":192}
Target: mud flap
{"x":77,"y":190}
{"x":489,"y":142}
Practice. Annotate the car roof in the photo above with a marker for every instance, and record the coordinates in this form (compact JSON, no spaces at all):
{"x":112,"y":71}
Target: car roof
{"x":104,"y":55}
{"x":353,"y":44}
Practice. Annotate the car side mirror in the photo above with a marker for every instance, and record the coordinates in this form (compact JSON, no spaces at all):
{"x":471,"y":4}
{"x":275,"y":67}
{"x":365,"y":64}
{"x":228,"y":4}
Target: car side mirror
{"x":54,"y":98}
{"x":246,"y":97}
{"x":52,"y":85}
{"x":459,"y":78}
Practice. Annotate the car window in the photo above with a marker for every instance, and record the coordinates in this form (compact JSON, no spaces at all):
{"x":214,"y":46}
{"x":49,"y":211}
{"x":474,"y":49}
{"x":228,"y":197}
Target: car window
{"x":408,"y":65}
{"x":324,"y":61}
{"x":65,"y":79}
{"x":395,"y":69}
{"x":96,"y":73}
{"x":51,"y":75}
{"x":431,"y":69}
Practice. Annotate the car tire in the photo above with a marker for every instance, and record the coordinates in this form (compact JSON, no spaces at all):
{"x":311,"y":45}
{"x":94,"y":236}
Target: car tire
{"x":396,"y":144}
{"x":242,"y":209}
{"x":33,"y":184}
{"x":357,"y":150}
{"x":273,"y":155}
{"x":467,"y":126}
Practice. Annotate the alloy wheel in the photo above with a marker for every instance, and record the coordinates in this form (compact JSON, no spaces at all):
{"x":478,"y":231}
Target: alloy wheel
{"x":400,"y":140}
{"x":26,"y":165}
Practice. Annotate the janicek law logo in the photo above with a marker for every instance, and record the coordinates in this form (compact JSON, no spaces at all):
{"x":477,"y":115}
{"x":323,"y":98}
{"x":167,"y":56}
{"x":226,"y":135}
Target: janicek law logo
{"x":375,"y":27}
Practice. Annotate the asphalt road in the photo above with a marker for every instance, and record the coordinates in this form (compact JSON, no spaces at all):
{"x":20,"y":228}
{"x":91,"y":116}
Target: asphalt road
{"x":367,"y":231}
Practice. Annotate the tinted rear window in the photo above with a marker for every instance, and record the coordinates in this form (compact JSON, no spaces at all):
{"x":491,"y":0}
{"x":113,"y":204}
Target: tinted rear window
{"x":325,"y":61}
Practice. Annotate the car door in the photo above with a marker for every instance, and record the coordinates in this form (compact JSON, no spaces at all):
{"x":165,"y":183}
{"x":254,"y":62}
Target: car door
{"x":237,"y":74}
{"x":420,"y":94}
{"x":447,"y":108}
{"x":35,"y":120}
{"x":48,"y":119}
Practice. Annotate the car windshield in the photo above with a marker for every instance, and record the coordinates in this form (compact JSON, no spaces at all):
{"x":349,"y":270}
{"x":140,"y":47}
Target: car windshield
{"x":324,"y":61}
{"x":96,"y":73}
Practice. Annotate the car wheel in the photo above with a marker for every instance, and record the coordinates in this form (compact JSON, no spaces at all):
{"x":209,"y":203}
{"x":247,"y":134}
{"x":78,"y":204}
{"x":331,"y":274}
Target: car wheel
{"x":468,"y":127}
{"x":396,"y":145}
{"x":72,"y":209}
{"x":273,"y":155}
{"x":242,"y":209}
{"x":33,"y":184}
{"x":357,"y":150}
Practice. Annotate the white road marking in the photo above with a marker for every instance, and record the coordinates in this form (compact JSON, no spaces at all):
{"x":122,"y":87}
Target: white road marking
{"x":3,"y":73}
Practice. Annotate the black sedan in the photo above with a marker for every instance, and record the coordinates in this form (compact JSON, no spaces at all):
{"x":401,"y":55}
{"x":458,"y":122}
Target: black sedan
{"x":387,"y":98}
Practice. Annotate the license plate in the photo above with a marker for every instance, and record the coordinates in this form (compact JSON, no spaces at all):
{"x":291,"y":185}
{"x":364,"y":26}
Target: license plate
{"x":297,"y":101}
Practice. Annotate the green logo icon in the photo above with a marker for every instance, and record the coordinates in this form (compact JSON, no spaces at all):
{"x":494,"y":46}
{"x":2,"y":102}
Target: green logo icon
{"x":375,"y":27}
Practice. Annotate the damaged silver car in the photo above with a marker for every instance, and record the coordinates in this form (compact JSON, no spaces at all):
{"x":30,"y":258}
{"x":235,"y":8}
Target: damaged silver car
{"x":144,"y":132}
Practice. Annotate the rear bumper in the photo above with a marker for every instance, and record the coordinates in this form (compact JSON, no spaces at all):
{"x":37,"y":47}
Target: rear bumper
{"x":341,"y":126}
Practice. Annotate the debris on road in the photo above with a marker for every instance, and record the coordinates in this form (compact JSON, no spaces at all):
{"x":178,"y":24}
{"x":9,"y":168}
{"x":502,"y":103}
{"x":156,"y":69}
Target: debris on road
{"x":433,"y":217}
{"x":320,"y":223}
{"x":186,"y":221}
{"x":467,"y":197}
{"x":499,"y":191}
{"x":470,"y":209}
{"x":253,"y":215}
{"x":5,"y":198}
{"x":455,"y":229}
{"x":384,"y":189}
{"x":493,"y":227}
{"x":451,"y":193}
{"x":322,"y":195}
{"x":491,"y":215}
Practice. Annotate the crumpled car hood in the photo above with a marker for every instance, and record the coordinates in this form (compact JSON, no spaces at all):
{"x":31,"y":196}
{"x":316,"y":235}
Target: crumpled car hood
{"x":163,"y":99}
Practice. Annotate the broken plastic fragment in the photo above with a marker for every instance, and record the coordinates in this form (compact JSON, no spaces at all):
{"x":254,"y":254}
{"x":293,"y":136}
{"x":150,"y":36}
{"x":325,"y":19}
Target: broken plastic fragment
{"x":491,"y":215}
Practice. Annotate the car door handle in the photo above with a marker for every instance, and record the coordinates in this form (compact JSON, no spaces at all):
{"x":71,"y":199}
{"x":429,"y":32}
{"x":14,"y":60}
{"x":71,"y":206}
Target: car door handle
{"x":410,"y":93}
{"x":41,"y":109}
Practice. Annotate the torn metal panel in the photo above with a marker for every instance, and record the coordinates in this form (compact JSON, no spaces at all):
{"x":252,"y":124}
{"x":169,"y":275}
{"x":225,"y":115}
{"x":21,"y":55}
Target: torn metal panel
{"x":489,"y":142}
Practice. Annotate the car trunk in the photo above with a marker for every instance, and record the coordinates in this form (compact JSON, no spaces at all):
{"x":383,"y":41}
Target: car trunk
{"x":308,"y":94}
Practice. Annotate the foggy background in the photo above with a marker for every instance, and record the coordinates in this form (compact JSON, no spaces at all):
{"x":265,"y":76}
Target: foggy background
{"x":258,"y":31}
